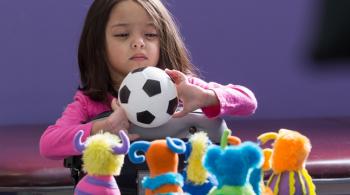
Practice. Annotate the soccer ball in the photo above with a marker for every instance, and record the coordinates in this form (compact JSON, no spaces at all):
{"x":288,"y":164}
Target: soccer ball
{"x":148,"y":96}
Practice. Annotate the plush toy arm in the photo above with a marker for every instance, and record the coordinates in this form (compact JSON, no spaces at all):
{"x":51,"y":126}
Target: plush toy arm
{"x":267,"y":159}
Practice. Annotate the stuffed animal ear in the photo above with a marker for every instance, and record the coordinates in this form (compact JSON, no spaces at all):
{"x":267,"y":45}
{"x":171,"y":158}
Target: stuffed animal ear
{"x":79,"y":146}
{"x":265,"y":137}
{"x":211,"y":157}
{"x":176,"y":145}
{"x":234,"y":140}
{"x":253,"y":154}
{"x":134,"y":148}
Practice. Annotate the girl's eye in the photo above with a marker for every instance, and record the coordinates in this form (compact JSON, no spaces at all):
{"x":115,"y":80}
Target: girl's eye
{"x":121,"y":35}
{"x":151,"y":35}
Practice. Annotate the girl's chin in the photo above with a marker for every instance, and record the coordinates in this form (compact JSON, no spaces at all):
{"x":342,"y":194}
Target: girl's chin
{"x":140,"y":66}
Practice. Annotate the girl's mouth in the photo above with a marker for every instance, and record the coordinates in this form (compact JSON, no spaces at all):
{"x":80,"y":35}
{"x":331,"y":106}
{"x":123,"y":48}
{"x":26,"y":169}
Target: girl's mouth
{"x":138,"y":57}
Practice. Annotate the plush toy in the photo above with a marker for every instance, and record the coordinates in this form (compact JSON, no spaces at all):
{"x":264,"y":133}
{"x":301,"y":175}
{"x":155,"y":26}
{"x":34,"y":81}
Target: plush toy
{"x":288,"y":156}
{"x":162,"y":160}
{"x":256,"y":178}
{"x":103,"y":157}
{"x":232,"y":166}
{"x":196,"y":177}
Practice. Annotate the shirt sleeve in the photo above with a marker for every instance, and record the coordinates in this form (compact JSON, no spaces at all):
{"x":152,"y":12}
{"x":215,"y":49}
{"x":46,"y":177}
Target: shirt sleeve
{"x":234,"y":100}
{"x":57,"y":140}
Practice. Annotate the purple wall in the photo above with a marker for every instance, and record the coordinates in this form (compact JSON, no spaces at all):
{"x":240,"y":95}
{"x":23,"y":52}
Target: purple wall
{"x":258,"y":44}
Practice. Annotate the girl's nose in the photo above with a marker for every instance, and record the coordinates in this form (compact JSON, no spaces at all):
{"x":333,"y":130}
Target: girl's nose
{"x":138,"y":43}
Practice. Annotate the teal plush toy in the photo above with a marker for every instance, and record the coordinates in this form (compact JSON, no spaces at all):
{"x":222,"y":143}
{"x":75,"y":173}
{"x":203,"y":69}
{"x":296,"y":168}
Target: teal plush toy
{"x":232,"y":166}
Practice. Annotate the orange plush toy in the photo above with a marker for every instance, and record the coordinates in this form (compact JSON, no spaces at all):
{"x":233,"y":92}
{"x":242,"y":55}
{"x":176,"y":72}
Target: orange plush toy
{"x":288,"y":156}
{"x":162,"y":160}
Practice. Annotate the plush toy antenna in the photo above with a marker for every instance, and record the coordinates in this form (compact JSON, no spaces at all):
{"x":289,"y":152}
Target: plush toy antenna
{"x":79,"y":145}
{"x":233,"y":140}
{"x":176,"y":145}
{"x":134,"y":148}
{"x":123,"y":148}
{"x":265,"y":137}
{"x":224,"y":136}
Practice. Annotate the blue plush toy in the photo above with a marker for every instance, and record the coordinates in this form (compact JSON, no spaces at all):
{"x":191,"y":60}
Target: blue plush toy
{"x":232,"y":166}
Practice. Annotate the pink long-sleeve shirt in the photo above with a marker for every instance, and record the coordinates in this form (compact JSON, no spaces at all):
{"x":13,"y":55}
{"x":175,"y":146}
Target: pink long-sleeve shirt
{"x":56,"y":142}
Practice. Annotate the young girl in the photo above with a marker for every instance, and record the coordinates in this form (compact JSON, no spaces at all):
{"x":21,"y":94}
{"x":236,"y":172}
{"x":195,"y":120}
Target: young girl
{"x":119,"y":36}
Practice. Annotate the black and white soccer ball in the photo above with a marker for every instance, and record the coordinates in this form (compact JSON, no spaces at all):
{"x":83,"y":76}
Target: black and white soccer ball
{"x":148,"y":96}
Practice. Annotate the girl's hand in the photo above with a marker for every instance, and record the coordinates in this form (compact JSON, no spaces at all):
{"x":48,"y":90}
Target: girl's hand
{"x":115,"y":122}
{"x":192,"y":96}
{"x":119,"y":121}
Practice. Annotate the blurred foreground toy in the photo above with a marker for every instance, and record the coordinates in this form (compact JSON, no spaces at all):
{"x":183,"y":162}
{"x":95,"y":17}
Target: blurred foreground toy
{"x":288,"y":157}
{"x":232,"y":166}
{"x":162,"y":160}
{"x":197,"y":180}
{"x":103,"y":158}
{"x":257,"y":176}
{"x":148,"y":96}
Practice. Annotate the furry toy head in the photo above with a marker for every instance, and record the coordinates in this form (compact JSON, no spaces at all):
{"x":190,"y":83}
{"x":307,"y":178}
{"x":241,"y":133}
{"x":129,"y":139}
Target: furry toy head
{"x":103,"y":154}
{"x":290,"y":150}
{"x":233,"y":164}
{"x":162,"y":160}
{"x":160,"y":155}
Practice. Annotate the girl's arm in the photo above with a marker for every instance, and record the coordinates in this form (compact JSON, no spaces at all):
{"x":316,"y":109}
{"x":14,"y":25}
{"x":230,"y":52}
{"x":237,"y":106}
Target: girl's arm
{"x":234,"y":100}
{"x":56,"y":142}
{"x":213,"y":98}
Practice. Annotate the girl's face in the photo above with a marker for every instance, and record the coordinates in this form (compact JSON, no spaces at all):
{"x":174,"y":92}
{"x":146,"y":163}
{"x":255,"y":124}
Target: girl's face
{"x":132,"y":40}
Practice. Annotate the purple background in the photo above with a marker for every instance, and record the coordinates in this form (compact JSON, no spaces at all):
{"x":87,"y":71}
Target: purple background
{"x":260,"y":44}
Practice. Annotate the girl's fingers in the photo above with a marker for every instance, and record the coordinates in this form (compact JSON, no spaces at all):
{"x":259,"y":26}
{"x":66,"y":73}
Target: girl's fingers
{"x":133,"y":136}
{"x":114,"y":104}
{"x":179,"y":114}
{"x":176,"y":76}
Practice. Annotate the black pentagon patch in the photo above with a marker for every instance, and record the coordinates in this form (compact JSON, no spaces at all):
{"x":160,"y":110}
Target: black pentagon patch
{"x":172,"y":106}
{"x":124,"y":94}
{"x":145,"y":117}
{"x":152,"y":87}
{"x":138,"y":69}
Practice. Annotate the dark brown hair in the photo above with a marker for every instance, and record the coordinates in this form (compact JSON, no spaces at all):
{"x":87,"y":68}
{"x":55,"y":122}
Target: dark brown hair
{"x":93,"y":62}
